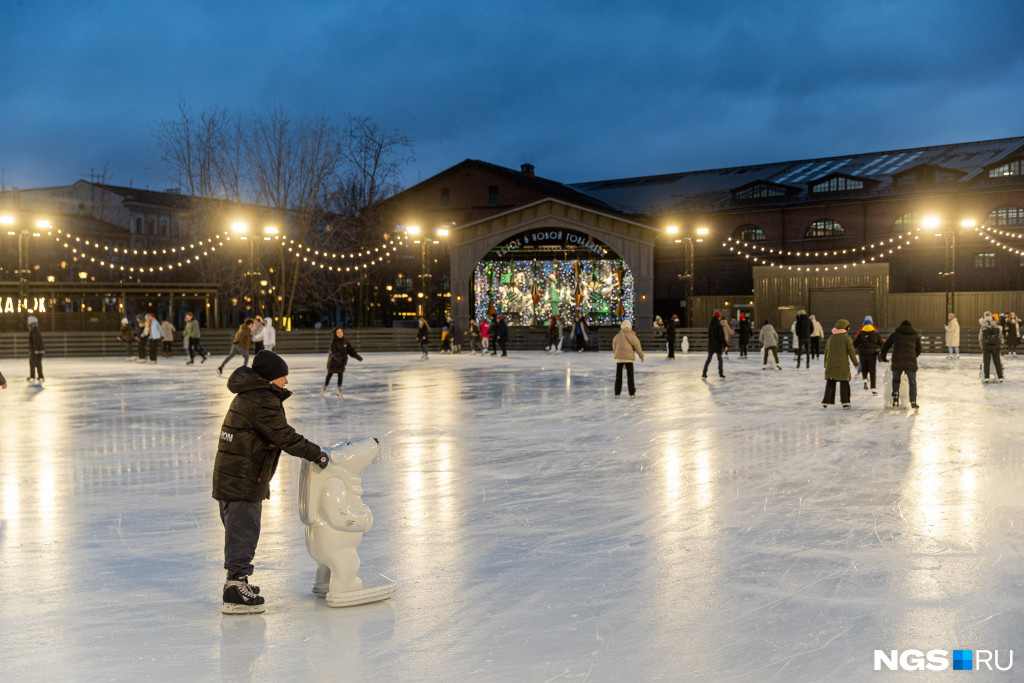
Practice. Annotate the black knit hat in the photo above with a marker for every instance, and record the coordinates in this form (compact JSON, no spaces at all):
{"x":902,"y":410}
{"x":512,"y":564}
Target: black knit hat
{"x":269,"y":365}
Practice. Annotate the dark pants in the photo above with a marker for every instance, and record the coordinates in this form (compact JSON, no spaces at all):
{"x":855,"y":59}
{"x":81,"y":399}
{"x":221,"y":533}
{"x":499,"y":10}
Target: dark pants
{"x":154,"y":346}
{"x":815,"y":347}
{"x":195,"y":348}
{"x":868,"y":367}
{"x":775,"y":352}
{"x":830,"y":391}
{"x":629,"y":378}
{"x":167,"y":348}
{"x":803,"y":347}
{"x":129,"y":347}
{"x":237,"y":350}
{"x":992,"y":357}
{"x":142,"y":348}
{"x":500,"y":341}
{"x":258,"y":346}
{"x":911,"y":379}
{"x":341,"y":374}
{"x":35,"y":364}
{"x":241,"y":519}
{"x":721,"y":373}
{"x":743,"y":349}
{"x":672,"y":346}
{"x":581,"y":343}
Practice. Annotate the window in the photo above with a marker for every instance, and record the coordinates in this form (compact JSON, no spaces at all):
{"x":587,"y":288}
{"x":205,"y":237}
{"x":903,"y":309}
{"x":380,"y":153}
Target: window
{"x":749,"y":233}
{"x":492,"y":195}
{"x":908,"y":179}
{"x":761,"y":190}
{"x":838,"y":184}
{"x":986,"y":260}
{"x":1011,"y":168}
{"x":944,"y":177}
{"x":151,"y":224}
{"x":138,"y":226}
{"x":906,"y":223}
{"x":446,"y":197}
{"x":824,"y":228}
{"x":163,"y":227}
{"x":1011,"y":216}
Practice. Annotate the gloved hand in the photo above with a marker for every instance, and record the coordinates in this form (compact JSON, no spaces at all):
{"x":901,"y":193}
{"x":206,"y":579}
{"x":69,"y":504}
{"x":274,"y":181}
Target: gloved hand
{"x":323,"y":460}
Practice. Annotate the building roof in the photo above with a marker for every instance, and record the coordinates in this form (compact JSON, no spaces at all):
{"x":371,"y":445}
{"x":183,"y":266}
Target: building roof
{"x":714,"y":189}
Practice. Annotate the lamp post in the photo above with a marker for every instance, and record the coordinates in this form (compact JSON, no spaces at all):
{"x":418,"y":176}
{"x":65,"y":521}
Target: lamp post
{"x":949,"y":273}
{"x":423,"y":308}
{"x":688,"y":252}
{"x":241,"y":228}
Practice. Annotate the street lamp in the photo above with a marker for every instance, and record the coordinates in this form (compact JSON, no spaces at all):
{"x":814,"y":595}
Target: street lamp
{"x":949,"y":274}
{"x":688,"y":252}
{"x":423,"y":309}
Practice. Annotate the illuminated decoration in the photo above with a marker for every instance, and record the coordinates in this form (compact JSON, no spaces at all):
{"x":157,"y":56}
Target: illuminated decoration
{"x":386,"y":247}
{"x":16,"y":305}
{"x":996,"y":231}
{"x":601,"y":289}
{"x":885,"y":248}
{"x":985,"y":233}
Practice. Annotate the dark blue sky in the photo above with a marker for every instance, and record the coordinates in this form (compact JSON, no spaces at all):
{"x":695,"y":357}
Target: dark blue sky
{"x":584,"y":90}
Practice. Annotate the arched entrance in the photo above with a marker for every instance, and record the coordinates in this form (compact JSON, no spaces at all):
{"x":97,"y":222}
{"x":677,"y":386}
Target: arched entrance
{"x":601,"y":262}
{"x":539,"y":273}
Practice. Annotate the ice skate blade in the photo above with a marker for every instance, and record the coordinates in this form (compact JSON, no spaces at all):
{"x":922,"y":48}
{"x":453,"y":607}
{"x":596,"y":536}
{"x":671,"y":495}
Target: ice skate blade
{"x":361,"y":597}
{"x":231,"y":608}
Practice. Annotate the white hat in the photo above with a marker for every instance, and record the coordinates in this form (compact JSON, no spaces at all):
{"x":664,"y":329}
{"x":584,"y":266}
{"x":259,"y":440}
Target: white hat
{"x":32,"y":320}
{"x":626,"y":325}
{"x":124,"y":321}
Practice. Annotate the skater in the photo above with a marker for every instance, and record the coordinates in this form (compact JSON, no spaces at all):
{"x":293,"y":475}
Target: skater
{"x":554,"y":336}
{"x":906,"y":347}
{"x":769,"y":339}
{"x":126,"y":335}
{"x":579,"y":333}
{"x":744,"y":332}
{"x":625,"y":345}
{"x":817,"y":334}
{"x":423,"y":338}
{"x":716,"y":344}
{"x":868,"y":343}
{"x":269,"y":334}
{"x":257,"y":334}
{"x":155,"y":332}
{"x":990,"y":338}
{"x":670,"y":335}
{"x":456,"y":332}
{"x":239,"y":345}
{"x":802,"y":328}
{"x":446,"y":339}
{"x":838,"y":349}
{"x":337,"y":358}
{"x":36,"y":349}
{"x":475,"y":337}
{"x":254,"y":432}
{"x":141,"y":336}
{"x":485,"y":334}
{"x":952,"y":336}
{"x":727,"y":331}
{"x":168,"y":330}
{"x":499,"y":333}
{"x":3,"y":382}
{"x":1011,"y":333}
{"x":195,"y":346}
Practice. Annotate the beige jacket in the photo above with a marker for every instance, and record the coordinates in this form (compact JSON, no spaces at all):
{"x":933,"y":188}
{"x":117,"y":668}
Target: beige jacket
{"x":624,"y":345}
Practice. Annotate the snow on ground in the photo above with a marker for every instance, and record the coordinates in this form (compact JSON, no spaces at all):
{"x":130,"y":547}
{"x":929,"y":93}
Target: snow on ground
{"x":537,"y":527}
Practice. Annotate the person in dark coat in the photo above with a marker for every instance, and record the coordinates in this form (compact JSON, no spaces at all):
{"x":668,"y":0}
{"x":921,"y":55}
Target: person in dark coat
{"x":716,"y":344}
{"x":499,"y":336}
{"x":906,"y":347}
{"x":670,"y":335}
{"x":337,"y":358}
{"x":126,"y":335}
{"x":3,"y":382}
{"x":254,"y":432}
{"x":868,"y":343}
{"x":745,"y":333}
{"x":839,"y":354}
{"x":36,"y":349}
{"x":803,"y":328}
{"x":990,"y":337}
{"x":423,"y":338}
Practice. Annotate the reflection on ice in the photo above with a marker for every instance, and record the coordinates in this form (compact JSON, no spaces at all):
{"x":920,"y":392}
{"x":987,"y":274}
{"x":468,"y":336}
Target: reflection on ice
{"x":537,"y":526}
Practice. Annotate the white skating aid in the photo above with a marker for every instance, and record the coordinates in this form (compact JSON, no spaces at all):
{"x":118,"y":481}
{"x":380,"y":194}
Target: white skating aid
{"x":332,"y":509}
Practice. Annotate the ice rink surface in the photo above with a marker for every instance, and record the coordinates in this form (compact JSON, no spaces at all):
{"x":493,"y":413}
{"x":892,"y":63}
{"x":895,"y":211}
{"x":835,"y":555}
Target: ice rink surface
{"x":537,"y":527}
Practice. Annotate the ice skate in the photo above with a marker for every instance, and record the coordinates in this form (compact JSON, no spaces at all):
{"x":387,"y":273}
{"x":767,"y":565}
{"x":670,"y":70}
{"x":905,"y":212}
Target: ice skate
{"x":874,"y":392}
{"x":865,"y":385}
{"x":764,"y":367}
{"x":241,"y":598}
{"x":778,"y":367}
{"x":205,"y":356}
{"x":914,"y":406}
{"x":824,"y":406}
{"x":190,"y":363}
{"x":339,"y":392}
{"x":846,"y":406}
{"x":220,"y":371}
{"x":323,"y":391}
{"x":895,"y":400}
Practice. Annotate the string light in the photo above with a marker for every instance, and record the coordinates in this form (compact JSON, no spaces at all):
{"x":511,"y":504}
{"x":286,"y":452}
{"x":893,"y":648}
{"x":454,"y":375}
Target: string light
{"x":906,"y":239}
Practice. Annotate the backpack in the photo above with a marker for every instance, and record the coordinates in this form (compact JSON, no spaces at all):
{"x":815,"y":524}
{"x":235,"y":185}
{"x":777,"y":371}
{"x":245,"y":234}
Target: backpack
{"x":990,"y":334}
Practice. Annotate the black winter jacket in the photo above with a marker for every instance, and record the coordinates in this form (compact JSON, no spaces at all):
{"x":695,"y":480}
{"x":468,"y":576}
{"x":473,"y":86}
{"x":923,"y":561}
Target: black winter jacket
{"x":341,"y":349}
{"x":804,"y":326}
{"x":254,"y":433}
{"x":670,"y":330}
{"x":716,"y":336}
{"x":868,"y":342}
{"x":35,"y":340}
{"x":906,"y":347}
{"x":744,"y":331}
{"x":422,"y":334}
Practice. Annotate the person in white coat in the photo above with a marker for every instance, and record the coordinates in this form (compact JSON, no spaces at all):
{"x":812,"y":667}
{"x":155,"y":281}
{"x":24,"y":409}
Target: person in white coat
{"x":817,"y":335}
{"x":269,"y":334}
{"x":953,"y":336}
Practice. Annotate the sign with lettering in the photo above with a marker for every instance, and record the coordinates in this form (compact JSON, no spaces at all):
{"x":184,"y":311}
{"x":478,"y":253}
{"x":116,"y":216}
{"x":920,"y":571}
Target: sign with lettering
{"x":12,"y":304}
{"x":554,"y":237}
